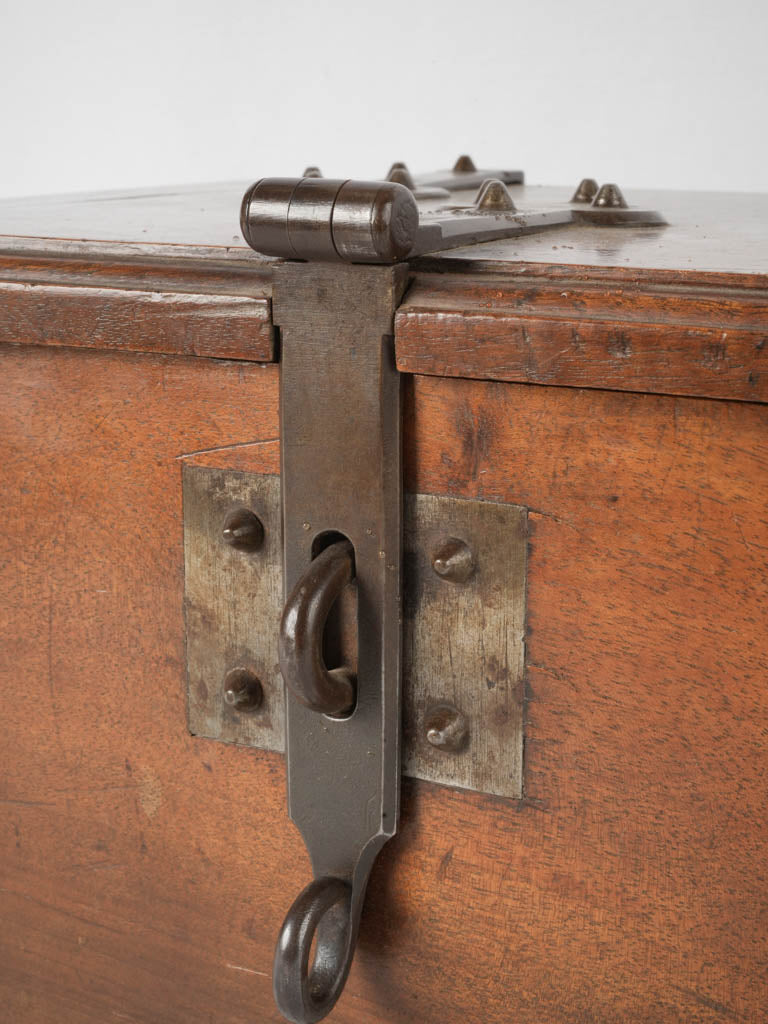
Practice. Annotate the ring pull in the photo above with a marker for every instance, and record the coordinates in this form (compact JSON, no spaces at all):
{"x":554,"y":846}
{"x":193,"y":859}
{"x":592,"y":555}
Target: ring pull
{"x":322,"y":913}
{"x":300,"y":645}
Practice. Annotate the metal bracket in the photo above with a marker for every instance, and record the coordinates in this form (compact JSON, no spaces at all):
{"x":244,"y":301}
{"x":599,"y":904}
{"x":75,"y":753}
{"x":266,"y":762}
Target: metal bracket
{"x":464,"y":568}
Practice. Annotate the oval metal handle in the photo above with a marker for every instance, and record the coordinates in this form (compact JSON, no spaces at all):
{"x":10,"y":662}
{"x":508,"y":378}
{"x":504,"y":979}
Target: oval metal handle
{"x":300,"y":645}
{"x":305,"y":995}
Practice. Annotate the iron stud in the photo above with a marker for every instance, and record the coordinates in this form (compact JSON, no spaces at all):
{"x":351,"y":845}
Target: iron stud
{"x":494,"y":197}
{"x":243,"y":530}
{"x":446,"y":728}
{"x":464,"y":165}
{"x":610,"y":195}
{"x":586,"y":192}
{"x":453,"y":560}
{"x":399,"y":173}
{"x":243,"y":690}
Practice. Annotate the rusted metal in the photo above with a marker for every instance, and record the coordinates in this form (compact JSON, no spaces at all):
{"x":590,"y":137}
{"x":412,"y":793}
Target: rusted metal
{"x":302,"y":630}
{"x":341,"y":481}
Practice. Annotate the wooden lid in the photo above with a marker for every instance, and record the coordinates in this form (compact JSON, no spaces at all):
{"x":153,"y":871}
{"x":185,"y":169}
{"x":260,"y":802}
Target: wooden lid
{"x":680,"y":310}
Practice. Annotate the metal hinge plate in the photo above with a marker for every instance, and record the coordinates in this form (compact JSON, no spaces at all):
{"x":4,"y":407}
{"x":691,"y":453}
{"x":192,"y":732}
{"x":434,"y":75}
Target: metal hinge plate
{"x":463,"y":639}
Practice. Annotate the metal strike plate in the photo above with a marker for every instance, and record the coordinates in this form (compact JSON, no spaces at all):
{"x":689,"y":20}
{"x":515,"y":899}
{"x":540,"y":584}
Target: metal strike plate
{"x":232,"y":605}
{"x":463,"y":638}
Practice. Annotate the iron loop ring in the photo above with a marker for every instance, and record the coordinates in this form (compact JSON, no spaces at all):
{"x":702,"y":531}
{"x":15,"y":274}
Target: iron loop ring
{"x":300,"y":644}
{"x":322,"y":912}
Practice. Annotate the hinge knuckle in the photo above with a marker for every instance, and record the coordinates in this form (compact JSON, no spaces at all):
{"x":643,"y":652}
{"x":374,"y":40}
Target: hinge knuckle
{"x":330,"y":220}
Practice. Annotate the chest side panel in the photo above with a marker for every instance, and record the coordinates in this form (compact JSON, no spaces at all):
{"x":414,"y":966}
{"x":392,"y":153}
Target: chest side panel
{"x":146,"y":871}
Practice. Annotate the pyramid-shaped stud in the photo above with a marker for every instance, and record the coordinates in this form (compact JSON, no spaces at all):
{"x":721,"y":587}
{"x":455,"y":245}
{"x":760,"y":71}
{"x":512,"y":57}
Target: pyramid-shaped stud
{"x":494,"y":197}
{"x":610,"y":196}
{"x":586,"y":192}
{"x":464,"y":165}
{"x":400,"y":174}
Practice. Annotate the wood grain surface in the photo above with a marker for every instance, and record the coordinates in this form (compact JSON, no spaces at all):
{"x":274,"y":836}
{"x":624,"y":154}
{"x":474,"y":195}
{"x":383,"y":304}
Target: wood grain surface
{"x":527,"y":324}
{"x":724,"y":235}
{"x":678,"y":337}
{"x":202,"y":309}
{"x":144,"y":873}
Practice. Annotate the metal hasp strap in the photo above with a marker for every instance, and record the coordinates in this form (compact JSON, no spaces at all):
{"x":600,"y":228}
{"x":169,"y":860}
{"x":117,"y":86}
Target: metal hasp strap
{"x":342,"y":514}
{"x":342,"y":518}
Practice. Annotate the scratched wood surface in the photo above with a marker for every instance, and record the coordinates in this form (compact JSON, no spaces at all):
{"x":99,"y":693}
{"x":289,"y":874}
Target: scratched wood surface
{"x":623,"y":311}
{"x":718,"y":234}
{"x":144,"y":872}
{"x":197,"y":308}
{"x":532,"y":324}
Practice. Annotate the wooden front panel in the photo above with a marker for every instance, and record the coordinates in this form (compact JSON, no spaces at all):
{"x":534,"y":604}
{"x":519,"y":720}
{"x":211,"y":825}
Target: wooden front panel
{"x":144,"y":873}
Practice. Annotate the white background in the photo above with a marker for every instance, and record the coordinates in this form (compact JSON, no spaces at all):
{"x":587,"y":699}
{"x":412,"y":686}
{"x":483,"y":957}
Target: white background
{"x":96,"y":94}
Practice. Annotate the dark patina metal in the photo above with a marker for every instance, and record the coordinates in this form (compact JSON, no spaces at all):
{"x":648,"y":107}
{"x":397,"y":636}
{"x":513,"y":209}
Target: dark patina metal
{"x":464,"y":174}
{"x":342,"y":513}
{"x":302,"y":629}
{"x":385,"y":222}
{"x":243,"y":530}
{"x":321,"y":913}
{"x":243,"y":690}
{"x":610,"y":196}
{"x":331,"y":220}
{"x":453,"y":560}
{"x":586,"y":191}
{"x":446,"y":728}
{"x":341,"y":480}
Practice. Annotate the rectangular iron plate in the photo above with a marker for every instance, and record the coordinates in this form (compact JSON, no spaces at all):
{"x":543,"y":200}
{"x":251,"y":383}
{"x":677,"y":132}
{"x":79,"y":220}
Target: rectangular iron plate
{"x":463,"y":643}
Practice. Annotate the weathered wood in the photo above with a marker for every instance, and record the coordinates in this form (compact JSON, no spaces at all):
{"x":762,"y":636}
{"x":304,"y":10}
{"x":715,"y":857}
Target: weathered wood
{"x":712,"y":235}
{"x":176,"y":309}
{"x":683,"y":339}
{"x":657,"y":338}
{"x":681,"y":310}
{"x":145,"y":872}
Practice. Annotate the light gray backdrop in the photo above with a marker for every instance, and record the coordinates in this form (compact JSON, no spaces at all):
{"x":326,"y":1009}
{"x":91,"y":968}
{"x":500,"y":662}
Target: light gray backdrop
{"x":96,"y":94}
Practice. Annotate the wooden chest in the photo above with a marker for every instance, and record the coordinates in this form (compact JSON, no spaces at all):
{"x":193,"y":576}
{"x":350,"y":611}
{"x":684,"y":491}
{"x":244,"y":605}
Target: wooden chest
{"x":609,"y":384}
